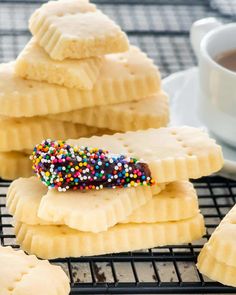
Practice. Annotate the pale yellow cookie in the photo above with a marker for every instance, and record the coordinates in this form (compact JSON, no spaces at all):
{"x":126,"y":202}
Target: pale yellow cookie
{"x":124,"y":77}
{"x":60,"y":241}
{"x":93,"y":210}
{"x":217,"y":259}
{"x":215,"y":269}
{"x":14,"y":165}
{"x":35,"y":64}
{"x":177,"y":201}
{"x":24,"y":133}
{"x":78,"y":34}
{"x":150,"y":112}
{"x":25,"y":195}
{"x":175,"y":153}
{"x":21,"y":274}
{"x":222,"y":243}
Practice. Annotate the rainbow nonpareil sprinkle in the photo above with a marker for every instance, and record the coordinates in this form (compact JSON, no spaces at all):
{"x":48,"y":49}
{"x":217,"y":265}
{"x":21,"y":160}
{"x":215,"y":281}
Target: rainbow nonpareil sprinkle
{"x":63,"y":167}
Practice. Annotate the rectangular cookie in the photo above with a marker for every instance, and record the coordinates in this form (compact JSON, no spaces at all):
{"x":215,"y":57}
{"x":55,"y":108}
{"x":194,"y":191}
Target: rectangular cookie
{"x":92,"y":211}
{"x":54,"y":241}
{"x":58,"y":33}
{"x":80,"y":211}
{"x":174,"y":153}
{"x":18,"y":134}
{"x":33,"y":63}
{"x":124,"y":77}
{"x":150,"y":112}
{"x":176,"y":202}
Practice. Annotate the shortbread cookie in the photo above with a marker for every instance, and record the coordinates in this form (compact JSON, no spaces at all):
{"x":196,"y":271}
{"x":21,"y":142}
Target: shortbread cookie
{"x":217,"y":259}
{"x":116,"y":161}
{"x":60,"y":241}
{"x":177,"y":201}
{"x":93,"y":211}
{"x":35,"y":64}
{"x":14,"y":165}
{"x":150,"y":112}
{"x":123,"y":77}
{"x":222,"y":242}
{"x":76,"y":34}
{"x":21,"y":273}
{"x":25,"y":195}
{"x":25,"y":133}
{"x":175,"y":153}
{"x":215,"y":269}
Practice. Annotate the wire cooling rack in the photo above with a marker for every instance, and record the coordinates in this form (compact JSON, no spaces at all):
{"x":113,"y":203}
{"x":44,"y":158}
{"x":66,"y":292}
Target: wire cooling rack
{"x":160,"y":28}
{"x":154,"y":271}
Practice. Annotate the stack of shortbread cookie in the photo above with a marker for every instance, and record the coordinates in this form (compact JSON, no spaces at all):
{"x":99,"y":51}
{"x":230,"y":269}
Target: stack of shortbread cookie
{"x":135,"y":196}
{"x":77,"y":76}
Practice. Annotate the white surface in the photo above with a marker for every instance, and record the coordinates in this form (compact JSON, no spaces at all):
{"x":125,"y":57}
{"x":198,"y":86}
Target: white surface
{"x":183,"y":89}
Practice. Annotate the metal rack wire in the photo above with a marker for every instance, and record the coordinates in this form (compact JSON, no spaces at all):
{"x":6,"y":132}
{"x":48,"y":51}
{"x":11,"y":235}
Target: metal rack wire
{"x":153,"y":271}
{"x":160,"y":28}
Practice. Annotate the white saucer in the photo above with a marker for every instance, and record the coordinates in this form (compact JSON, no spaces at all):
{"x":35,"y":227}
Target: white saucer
{"x":182,"y":88}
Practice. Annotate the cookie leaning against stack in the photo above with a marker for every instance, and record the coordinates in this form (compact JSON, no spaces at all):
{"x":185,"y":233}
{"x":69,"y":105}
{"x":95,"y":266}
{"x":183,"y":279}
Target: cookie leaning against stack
{"x":217,"y":259}
{"x":90,"y":76}
{"x":97,"y":220}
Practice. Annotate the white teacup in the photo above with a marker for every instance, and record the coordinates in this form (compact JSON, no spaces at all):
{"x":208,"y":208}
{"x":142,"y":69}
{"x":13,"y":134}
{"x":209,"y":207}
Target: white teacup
{"x":217,"y":105}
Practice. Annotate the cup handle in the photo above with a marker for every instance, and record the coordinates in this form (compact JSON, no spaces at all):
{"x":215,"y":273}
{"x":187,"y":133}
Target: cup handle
{"x":199,"y":29}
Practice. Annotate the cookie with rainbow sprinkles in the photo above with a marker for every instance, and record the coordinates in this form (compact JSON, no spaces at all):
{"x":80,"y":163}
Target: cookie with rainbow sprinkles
{"x":75,"y":205}
{"x":63,"y":166}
